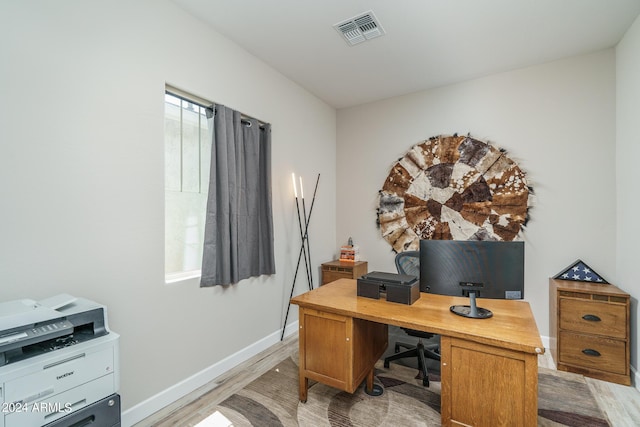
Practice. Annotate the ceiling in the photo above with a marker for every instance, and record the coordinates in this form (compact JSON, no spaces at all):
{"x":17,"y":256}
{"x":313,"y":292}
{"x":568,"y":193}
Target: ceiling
{"x":428,"y":43}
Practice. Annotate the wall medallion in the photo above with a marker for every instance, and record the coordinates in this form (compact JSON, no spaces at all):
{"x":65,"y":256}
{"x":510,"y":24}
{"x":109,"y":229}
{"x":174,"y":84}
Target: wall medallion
{"x":453,"y":187}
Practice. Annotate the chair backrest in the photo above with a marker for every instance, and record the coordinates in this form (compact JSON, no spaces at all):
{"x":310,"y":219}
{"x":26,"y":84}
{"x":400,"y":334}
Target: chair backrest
{"x":408,"y":262}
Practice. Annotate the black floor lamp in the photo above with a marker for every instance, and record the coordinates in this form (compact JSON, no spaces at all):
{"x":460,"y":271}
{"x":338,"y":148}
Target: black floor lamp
{"x":305,"y":249}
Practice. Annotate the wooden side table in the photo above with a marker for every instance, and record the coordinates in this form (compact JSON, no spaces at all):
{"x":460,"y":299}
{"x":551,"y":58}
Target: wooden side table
{"x":335,"y":270}
{"x":589,"y":328}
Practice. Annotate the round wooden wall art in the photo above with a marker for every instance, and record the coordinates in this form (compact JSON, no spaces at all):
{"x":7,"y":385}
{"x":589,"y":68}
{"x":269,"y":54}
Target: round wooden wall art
{"x":453,"y":187}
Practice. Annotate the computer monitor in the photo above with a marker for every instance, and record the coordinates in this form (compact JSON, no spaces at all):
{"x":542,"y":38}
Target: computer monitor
{"x":484,"y":269}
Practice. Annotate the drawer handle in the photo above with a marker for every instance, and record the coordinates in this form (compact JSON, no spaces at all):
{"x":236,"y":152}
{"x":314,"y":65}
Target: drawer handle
{"x":591,"y":352}
{"x":591,"y":318}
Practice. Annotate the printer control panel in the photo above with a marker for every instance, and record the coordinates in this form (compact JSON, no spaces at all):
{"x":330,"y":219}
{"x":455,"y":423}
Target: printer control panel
{"x":37,"y":332}
{"x":52,"y":327}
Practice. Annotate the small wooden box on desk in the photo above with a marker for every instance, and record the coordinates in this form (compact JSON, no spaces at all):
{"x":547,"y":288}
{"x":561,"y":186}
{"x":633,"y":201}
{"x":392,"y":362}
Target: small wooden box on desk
{"x":589,"y":328}
{"x":334,"y":270}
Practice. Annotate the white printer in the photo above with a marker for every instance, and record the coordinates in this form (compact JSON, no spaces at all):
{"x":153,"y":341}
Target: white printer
{"x":58,"y":364}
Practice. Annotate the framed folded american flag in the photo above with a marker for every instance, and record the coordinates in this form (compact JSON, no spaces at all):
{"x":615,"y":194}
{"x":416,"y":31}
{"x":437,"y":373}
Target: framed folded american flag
{"x":580,"y":272}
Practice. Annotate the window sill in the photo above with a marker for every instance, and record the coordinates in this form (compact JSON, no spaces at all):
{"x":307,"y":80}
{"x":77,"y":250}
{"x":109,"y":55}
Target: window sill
{"x":181,"y":276}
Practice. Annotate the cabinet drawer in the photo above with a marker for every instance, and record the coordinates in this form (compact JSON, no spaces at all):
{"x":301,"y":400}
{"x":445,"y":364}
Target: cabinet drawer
{"x":606,"y":319}
{"x":610,"y":354}
{"x":330,"y":276}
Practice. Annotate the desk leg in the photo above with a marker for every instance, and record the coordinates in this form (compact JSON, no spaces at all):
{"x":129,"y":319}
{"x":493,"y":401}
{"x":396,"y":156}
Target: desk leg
{"x":369,"y":382}
{"x":370,"y":388}
{"x":302,"y":363}
{"x":304,"y":386}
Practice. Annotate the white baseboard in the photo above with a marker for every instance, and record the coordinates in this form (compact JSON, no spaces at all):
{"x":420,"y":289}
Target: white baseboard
{"x":545,"y":342}
{"x":155,"y":403}
{"x":635,"y":378}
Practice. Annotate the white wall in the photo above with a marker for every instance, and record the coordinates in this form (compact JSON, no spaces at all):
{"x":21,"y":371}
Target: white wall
{"x":81,"y":166}
{"x":82,"y":172}
{"x":557,"y":120}
{"x":628,"y":180}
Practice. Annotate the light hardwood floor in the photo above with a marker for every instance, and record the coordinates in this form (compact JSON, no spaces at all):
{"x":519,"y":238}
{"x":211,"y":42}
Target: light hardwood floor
{"x":621,"y":403}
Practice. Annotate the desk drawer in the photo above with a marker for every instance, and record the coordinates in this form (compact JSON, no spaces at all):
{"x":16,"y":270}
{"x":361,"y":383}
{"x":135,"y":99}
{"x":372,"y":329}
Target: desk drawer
{"x":593,"y":352}
{"x":606,"y":319}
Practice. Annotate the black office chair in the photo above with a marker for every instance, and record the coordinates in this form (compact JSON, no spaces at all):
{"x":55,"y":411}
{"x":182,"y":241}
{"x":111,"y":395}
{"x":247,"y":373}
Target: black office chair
{"x":408,"y":262}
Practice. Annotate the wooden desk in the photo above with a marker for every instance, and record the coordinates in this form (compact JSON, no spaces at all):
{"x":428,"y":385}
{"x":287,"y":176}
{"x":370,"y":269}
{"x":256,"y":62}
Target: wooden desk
{"x":489,"y":366}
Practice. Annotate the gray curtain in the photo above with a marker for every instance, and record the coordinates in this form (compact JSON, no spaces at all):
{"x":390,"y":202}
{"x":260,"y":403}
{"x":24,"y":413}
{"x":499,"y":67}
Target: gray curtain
{"x":238,"y":236}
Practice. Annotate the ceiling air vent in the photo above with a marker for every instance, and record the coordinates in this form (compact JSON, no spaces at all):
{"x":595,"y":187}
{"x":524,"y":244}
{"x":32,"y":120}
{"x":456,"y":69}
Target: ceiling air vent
{"x":360,"y":28}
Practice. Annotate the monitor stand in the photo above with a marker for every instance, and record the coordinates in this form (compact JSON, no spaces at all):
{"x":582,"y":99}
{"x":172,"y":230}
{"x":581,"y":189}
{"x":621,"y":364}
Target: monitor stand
{"x":471,"y":310}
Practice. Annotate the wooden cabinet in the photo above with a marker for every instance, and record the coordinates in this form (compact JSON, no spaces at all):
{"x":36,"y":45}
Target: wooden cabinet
{"x":335,"y":270}
{"x":339,"y":351}
{"x":589,"y":329}
{"x":482,"y":384}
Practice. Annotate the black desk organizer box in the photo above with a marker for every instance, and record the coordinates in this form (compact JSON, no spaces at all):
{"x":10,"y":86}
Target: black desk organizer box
{"x":401,"y":288}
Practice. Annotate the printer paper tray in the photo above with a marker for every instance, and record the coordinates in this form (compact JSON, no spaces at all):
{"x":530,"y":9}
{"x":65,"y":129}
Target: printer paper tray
{"x":35,"y":414}
{"x":59,"y":374}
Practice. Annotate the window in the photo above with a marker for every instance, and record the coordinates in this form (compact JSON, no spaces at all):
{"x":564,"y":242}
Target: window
{"x":187,"y":164}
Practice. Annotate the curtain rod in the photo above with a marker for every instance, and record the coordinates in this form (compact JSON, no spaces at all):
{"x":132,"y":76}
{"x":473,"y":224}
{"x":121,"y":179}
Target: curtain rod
{"x":185,"y":96}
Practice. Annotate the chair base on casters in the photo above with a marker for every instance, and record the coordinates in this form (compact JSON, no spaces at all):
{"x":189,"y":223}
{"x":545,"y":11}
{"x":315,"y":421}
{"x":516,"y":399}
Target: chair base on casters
{"x":419,"y":351}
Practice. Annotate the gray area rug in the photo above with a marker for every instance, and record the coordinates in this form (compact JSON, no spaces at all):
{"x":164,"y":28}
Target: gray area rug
{"x":272,"y":400}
